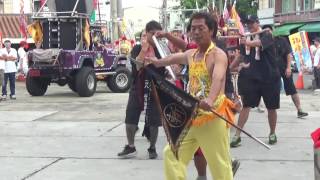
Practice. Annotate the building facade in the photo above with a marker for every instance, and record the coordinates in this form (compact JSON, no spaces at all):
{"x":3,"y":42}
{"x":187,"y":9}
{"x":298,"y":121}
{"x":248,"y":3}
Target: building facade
{"x":9,"y":19}
{"x":289,"y":16}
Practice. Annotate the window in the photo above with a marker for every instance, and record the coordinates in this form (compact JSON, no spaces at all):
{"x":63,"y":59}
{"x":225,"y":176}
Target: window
{"x":308,"y":5}
{"x":271,"y":3}
{"x":288,"y":6}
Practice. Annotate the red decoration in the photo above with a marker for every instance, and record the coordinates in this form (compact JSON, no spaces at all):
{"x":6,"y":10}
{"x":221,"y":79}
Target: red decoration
{"x":123,"y":38}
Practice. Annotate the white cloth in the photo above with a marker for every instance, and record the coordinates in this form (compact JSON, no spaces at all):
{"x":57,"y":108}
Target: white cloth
{"x":2,"y":62}
{"x":317,"y":57}
{"x":23,"y":60}
{"x":21,"y":53}
{"x":10,"y":66}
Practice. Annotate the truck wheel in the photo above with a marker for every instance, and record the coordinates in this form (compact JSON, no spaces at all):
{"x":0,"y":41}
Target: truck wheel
{"x":36,"y":86}
{"x":86,"y":82}
{"x":72,"y":84}
{"x":121,"y":81}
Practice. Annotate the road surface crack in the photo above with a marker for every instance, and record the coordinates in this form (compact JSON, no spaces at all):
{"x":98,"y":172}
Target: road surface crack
{"x":44,"y":167}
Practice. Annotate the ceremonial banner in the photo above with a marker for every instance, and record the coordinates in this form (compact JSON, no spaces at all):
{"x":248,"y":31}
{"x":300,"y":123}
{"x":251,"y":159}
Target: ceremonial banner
{"x":176,"y":108}
{"x":164,"y":51}
{"x":301,"y":52}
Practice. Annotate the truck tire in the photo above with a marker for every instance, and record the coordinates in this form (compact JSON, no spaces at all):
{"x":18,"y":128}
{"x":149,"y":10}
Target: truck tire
{"x":72,"y":84}
{"x":86,"y":82}
{"x":36,"y":86}
{"x":121,"y":81}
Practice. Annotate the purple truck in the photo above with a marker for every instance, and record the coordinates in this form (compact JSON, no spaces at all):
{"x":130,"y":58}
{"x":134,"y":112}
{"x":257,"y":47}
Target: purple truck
{"x":63,"y":58}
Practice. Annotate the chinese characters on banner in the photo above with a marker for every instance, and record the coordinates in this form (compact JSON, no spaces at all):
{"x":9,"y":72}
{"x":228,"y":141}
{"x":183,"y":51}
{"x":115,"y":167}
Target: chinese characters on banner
{"x":300,"y":48}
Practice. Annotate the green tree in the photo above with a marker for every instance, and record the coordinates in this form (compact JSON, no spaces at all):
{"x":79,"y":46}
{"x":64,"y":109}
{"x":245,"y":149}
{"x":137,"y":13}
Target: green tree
{"x":191,"y":4}
{"x":246,"y":7}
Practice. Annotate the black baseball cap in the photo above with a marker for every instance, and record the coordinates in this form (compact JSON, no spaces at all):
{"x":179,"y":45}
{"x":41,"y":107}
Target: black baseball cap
{"x":317,"y":39}
{"x":252,"y":19}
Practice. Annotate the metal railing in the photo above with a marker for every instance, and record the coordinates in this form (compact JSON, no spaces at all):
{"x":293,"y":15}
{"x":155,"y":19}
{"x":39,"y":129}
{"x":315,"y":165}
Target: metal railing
{"x":297,"y":16}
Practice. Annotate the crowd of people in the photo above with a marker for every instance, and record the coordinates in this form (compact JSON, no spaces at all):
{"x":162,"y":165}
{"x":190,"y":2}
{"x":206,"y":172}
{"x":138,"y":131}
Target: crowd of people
{"x":259,"y":64}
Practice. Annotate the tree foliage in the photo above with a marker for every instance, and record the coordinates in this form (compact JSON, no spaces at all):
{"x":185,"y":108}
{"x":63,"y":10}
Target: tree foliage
{"x":245,"y":7}
{"x":191,"y":4}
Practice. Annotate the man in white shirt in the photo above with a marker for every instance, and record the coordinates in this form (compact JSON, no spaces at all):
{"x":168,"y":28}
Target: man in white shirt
{"x":10,"y":56}
{"x":316,"y":63}
{"x":2,"y":67}
{"x":22,"y":54}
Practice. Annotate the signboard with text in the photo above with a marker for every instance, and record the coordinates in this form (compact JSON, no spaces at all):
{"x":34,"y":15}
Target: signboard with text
{"x":301,"y":50}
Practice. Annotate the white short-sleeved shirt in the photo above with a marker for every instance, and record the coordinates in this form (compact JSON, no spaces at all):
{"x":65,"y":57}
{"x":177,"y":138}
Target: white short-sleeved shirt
{"x":317,"y":57}
{"x":22,"y":53}
{"x":2,"y":62}
{"x":10,"y":66}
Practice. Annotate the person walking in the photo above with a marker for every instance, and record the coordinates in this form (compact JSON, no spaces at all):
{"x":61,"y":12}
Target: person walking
{"x":284,"y":58}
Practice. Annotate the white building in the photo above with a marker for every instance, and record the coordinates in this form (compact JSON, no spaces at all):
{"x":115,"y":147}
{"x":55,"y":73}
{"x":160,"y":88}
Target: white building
{"x":13,"y":6}
{"x":266,"y":11}
{"x":138,"y":13}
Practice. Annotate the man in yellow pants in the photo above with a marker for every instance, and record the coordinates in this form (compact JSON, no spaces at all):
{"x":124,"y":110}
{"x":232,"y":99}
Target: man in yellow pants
{"x":207,"y":70}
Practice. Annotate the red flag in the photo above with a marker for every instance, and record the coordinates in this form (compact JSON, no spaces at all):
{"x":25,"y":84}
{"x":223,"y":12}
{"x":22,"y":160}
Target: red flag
{"x":221,"y":22}
{"x":23,"y":26}
{"x":225,"y":11}
{"x":22,"y":20}
{"x":95,"y":4}
{"x":42,"y":2}
{"x":1,"y":40}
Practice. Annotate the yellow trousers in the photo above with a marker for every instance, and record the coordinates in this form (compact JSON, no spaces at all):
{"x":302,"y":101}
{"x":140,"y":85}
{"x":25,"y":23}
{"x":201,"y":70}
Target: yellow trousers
{"x":213,"y":138}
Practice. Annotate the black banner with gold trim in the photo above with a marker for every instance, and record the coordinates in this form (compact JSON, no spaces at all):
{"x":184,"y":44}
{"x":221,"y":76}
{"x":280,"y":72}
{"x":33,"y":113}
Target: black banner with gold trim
{"x":176,"y":106}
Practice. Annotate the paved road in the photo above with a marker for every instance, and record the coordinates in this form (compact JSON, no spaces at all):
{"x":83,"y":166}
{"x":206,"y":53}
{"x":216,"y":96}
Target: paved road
{"x":61,"y":136}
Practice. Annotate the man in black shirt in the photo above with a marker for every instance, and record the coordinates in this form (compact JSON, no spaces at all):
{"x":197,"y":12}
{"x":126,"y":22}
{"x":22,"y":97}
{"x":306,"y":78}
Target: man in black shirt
{"x":139,"y":88}
{"x":284,"y":57}
{"x":260,"y":79}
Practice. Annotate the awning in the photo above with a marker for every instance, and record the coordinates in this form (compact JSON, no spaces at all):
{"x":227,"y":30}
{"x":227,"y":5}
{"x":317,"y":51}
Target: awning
{"x":285,"y":29}
{"x":311,"y":27}
{"x":9,"y":26}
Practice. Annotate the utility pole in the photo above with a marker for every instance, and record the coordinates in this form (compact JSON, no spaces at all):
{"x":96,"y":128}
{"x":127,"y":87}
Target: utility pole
{"x":120,"y":16}
{"x":114,"y":19}
{"x":164,"y":15}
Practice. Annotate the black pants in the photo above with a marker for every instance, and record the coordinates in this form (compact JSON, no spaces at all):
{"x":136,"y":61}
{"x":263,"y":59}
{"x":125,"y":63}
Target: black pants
{"x":317,"y":77}
{"x":134,"y":109}
{"x":288,"y":83}
{"x":252,"y":91}
{"x":12,"y":80}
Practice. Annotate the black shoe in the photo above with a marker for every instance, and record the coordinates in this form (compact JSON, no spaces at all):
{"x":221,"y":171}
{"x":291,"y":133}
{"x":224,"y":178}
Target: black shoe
{"x":302,"y":114}
{"x":235,"y":166}
{"x":128,"y":152}
{"x":152,"y":153}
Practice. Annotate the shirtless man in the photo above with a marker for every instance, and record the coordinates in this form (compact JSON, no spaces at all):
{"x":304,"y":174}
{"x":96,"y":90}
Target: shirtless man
{"x":207,"y":76}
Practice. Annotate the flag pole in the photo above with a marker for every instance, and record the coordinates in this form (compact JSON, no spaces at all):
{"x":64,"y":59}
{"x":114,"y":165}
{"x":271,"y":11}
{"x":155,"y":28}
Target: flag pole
{"x":240,"y":129}
{"x":227,"y":121}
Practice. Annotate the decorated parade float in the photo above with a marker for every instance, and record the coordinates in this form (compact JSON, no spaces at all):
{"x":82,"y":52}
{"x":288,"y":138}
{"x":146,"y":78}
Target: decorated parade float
{"x":71,"y":51}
